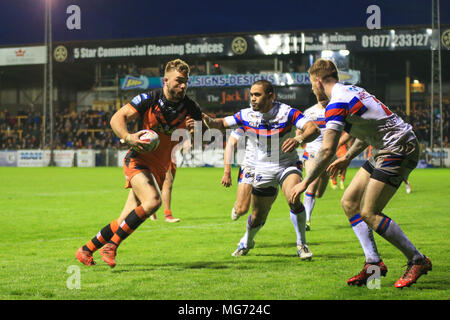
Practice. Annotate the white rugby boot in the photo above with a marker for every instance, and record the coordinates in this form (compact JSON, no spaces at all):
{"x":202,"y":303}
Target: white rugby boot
{"x":303,"y":252}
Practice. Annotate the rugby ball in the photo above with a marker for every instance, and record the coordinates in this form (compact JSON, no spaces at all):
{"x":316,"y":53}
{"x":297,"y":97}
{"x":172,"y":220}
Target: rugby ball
{"x":149,"y":136}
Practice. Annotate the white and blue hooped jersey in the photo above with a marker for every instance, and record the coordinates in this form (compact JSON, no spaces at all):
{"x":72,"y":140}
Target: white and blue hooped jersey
{"x":317,"y":114}
{"x":269,"y":130}
{"x":365,"y":117}
{"x":249,"y":156}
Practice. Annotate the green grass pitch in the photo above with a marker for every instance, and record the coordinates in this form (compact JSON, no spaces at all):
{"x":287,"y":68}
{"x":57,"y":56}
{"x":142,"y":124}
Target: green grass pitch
{"x":48,"y":213}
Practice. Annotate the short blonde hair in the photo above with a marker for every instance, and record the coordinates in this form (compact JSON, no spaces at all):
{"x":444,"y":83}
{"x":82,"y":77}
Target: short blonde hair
{"x":178,"y":65}
{"x":324,"y":69}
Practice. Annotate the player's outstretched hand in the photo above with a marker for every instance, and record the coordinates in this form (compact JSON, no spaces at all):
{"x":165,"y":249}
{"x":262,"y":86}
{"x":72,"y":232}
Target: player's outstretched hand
{"x":337,"y":166}
{"x":297,"y":190}
{"x":289,"y":145}
{"x":226,"y":180}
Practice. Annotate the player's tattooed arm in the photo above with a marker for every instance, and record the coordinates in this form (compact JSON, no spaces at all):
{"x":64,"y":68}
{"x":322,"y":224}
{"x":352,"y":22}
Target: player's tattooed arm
{"x":325,"y":155}
{"x":216,"y":123}
{"x":340,"y":164}
{"x":322,"y":159}
{"x":357,"y":147}
{"x":345,"y":139}
{"x":309,"y":133}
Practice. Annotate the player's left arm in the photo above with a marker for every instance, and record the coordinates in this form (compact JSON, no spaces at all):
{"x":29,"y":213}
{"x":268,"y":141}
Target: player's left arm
{"x":209,"y":122}
{"x":344,"y":139}
{"x":324,"y":156}
{"x":357,"y":147}
{"x":322,"y":159}
{"x":340,"y":164}
{"x":227,"y":159}
{"x":216,"y":123}
{"x":309,"y":132}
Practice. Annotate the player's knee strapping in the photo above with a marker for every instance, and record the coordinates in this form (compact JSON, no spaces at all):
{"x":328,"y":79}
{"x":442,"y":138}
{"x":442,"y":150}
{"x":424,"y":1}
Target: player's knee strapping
{"x":251,"y":224}
{"x":297,"y":208}
{"x":134,"y":219}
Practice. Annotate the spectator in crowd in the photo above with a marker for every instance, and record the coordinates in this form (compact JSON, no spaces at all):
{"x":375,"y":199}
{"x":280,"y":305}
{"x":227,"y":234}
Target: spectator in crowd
{"x":90,"y":128}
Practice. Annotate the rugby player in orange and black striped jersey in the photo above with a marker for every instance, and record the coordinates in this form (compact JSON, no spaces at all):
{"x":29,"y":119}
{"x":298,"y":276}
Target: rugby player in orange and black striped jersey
{"x":162,"y":110}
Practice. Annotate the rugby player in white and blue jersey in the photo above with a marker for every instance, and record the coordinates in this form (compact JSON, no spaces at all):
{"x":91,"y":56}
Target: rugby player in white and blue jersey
{"x":271,"y":125}
{"x":395,"y":154}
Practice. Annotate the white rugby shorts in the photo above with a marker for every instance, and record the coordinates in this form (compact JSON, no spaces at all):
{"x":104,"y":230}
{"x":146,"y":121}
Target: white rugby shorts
{"x":274,"y":177}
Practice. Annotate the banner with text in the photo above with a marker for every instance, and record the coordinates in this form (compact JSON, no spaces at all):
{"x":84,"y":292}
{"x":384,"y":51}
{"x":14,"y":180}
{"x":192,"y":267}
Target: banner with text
{"x":239,"y":97}
{"x":234,"y":80}
{"x":41,"y":158}
{"x":254,"y":45}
